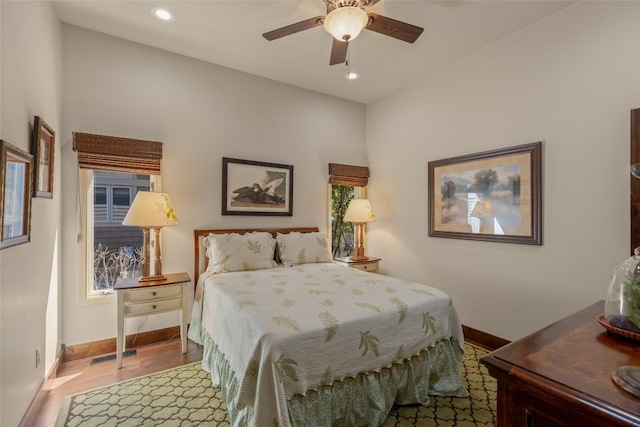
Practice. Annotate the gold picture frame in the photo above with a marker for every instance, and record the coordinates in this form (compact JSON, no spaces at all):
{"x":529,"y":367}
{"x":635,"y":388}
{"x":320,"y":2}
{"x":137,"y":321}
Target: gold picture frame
{"x":15,"y":195}
{"x":492,"y":196}
{"x":43,"y":149}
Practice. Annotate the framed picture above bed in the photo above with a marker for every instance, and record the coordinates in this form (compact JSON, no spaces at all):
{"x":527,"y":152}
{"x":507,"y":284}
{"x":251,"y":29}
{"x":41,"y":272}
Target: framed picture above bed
{"x":256,"y":188}
{"x":492,"y":196}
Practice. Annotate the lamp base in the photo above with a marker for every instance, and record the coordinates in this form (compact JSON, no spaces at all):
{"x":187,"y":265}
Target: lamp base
{"x":152,"y":278}
{"x":359,"y":258}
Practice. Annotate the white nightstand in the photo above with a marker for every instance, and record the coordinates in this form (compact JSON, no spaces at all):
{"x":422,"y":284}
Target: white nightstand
{"x":371,"y":265}
{"x":137,"y":299}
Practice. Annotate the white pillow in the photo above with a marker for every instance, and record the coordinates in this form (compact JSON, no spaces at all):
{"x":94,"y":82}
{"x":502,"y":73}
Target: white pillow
{"x":301,"y":248}
{"x":239,"y":252}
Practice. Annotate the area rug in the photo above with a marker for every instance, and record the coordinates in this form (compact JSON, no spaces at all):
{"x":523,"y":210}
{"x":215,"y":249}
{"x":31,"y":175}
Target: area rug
{"x":184,"y":397}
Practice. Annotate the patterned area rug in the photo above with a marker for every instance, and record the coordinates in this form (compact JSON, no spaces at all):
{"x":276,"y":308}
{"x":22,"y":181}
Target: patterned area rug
{"x":184,"y":397}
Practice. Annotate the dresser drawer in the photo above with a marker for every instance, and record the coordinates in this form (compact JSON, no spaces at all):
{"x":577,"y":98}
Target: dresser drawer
{"x":156,"y":292}
{"x":152,"y":307}
{"x":371,"y":267}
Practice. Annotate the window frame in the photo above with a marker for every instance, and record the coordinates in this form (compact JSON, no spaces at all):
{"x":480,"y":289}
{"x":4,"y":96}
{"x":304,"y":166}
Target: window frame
{"x":85,"y":207}
{"x":358,"y":193}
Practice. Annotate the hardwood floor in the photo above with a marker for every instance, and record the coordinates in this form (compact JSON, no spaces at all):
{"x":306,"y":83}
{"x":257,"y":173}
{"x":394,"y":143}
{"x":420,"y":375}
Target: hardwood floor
{"x":79,"y":375}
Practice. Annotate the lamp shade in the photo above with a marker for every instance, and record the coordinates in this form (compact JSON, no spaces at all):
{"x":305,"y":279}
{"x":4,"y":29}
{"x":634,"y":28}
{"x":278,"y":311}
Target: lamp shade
{"x":345,"y":23}
{"x":151,"y":209}
{"x":359,"y":211}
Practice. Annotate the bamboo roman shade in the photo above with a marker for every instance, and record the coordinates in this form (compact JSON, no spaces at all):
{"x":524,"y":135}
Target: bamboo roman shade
{"x":358,"y":176}
{"x":100,"y":152}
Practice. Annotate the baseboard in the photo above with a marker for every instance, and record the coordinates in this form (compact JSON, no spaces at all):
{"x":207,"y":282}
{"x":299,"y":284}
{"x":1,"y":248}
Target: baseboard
{"x":28,"y":419}
{"x":99,"y":348}
{"x":483,"y":339}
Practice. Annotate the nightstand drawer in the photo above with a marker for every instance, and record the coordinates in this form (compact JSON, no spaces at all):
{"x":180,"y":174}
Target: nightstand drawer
{"x":155,"y":293}
{"x":152,"y":307}
{"x":371,"y":267}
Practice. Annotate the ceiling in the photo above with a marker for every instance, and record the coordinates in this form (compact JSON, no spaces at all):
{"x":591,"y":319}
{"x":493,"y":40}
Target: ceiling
{"x":229,"y":33}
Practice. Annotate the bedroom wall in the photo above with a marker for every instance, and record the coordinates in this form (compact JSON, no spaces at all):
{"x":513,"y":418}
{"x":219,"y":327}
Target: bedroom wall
{"x":569,"y":81}
{"x":30,"y":82}
{"x":201,"y":112}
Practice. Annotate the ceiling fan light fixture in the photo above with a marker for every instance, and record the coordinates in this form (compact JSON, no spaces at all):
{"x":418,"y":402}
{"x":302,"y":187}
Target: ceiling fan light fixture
{"x":345,"y":23}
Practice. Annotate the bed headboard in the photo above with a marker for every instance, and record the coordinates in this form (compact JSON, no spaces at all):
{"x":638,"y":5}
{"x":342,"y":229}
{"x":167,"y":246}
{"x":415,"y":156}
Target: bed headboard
{"x":198,"y":235}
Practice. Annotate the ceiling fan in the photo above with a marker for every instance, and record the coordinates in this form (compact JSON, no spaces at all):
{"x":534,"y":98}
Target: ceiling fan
{"x":344,"y":21}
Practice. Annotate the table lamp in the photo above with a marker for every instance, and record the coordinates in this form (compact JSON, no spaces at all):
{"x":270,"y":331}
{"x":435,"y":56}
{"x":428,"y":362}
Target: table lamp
{"x":151,"y":210}
{"x":359,"y":213}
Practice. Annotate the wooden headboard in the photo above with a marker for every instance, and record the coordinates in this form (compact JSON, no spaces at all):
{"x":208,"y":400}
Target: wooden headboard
{"x":198,"y":235}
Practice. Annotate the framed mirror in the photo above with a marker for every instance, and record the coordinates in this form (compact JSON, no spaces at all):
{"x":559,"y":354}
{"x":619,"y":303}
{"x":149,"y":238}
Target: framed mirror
{"x":15,"y":195}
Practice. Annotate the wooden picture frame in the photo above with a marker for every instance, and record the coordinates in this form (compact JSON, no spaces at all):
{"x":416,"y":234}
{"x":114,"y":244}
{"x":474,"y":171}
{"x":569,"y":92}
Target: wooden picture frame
{"x":15,"y":195}
{"x":494,"y":196}
{"x":43,"y":149}
{"x":256,"y":188}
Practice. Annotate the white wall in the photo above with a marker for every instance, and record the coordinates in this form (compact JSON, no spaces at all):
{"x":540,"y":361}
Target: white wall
{"x":29,"y":280}
{"x":201,"y":112}
{"x":569,"y":81}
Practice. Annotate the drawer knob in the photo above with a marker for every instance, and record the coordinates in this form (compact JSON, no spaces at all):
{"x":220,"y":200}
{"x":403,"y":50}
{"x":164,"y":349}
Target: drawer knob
{"x":154,"y":293}
{"x":153,"y":306}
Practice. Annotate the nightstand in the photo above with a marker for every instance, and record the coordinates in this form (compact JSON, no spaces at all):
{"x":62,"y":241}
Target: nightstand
{"x":137,"y":299}
{"x":371,"y":265}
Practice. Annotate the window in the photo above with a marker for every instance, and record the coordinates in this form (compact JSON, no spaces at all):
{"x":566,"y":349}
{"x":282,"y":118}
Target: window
{"x":345,"y":183}
{"x":112,"y":171}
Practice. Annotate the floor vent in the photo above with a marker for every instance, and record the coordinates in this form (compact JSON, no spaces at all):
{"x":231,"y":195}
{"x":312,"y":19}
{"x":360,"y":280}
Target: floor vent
{"x":112,"y":357}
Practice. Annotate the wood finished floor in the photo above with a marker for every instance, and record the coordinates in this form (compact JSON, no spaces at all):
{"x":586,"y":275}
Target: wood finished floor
{"x":79,"y":375}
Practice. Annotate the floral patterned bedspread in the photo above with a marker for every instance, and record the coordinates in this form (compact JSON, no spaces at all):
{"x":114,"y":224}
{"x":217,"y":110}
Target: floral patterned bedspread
{"x":288,"y":330}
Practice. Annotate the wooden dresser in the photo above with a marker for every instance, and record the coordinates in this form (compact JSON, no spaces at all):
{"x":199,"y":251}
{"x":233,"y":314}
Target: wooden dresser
{"x":561,"y":376}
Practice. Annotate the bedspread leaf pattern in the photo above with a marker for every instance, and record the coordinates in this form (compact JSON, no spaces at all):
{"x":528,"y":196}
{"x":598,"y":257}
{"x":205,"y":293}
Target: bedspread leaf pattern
{"x":369,"y":306}
{"x":253,"y":369}
{"x":327,"y":377}
{"x":242,"y":303}
{"x":319,"y":292}
{"x":224,"y":263}
{"x":339,"y":282}
{"x":390,"y":290}
{"x":357,"y":292}
{"x":246,"y":266}
{"x":254,"y":246}
{"x":428,"y":323}
{"x":278,"y":291}
{"x":288,"y":303}
{"x":286,"y":368}
{"x":368,"y":342}
{"x":287,"y":322}
{"x":251,"y":283}
{"x":322,"y":242}
{"x":399,"y":354}
{"x":330,"y":323}
{"x":327,"y":303}
{"x":403,"y":309}
{"x":422,"y":291}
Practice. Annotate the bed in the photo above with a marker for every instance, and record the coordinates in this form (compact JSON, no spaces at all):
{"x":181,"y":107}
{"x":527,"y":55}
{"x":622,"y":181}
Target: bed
{"x":293,"y":339}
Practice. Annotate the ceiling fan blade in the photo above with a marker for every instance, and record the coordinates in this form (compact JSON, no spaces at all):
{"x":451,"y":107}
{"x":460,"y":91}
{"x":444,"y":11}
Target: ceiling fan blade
{"x":369,"y":3}
{"x":294,"y":28}
{"x":338,"y":52}
{"x":393,"y":28}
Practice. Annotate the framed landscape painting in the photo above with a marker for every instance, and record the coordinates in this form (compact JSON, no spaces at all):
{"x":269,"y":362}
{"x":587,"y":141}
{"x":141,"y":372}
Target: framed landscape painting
{"x":42,"y":148}
{"x":15,"y":195}
{"x":256,"y":188}
{"x":491,"y":196}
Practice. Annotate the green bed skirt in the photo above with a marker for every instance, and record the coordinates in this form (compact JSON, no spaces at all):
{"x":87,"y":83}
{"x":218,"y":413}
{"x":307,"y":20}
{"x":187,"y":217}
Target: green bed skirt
{"x":365,"y":400}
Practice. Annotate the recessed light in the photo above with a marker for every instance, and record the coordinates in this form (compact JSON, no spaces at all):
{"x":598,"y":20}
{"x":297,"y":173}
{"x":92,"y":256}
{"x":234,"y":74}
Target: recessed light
{"x":163,"y":14}
{"x":351,"y":75}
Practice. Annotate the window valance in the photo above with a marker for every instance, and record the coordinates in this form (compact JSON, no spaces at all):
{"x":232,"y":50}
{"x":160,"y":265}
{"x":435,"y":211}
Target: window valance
{"x":358,"y":176}
{"x":101,"y":152}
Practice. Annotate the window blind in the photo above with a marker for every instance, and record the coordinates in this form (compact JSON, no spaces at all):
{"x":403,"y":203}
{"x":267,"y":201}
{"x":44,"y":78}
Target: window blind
{"x":111,"y":153}
{"x":358,"y":176}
